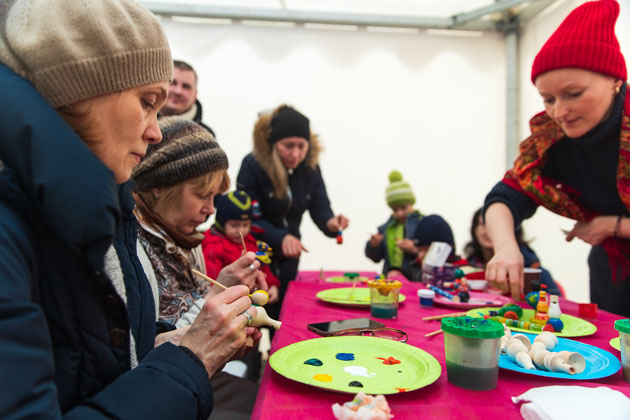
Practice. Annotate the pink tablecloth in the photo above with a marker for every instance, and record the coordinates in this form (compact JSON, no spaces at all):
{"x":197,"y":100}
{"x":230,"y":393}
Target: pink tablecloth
{"x":281,"y":398}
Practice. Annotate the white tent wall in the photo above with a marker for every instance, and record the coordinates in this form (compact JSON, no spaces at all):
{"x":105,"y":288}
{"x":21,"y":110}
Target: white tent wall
{"x":566,"y":261}
{"x":431,"y":106}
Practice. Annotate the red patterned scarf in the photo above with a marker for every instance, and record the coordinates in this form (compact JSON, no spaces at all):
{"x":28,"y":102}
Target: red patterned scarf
{"x":526,"y":177}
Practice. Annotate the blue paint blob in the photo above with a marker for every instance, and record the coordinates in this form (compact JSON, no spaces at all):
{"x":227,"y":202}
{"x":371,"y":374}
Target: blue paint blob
{"x":313,"y":362}
{"x":356,"y":383}
{"x":345,"y":356}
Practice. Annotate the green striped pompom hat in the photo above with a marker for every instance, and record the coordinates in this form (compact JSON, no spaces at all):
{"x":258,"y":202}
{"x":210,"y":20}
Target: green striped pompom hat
{"x":398,"y":192}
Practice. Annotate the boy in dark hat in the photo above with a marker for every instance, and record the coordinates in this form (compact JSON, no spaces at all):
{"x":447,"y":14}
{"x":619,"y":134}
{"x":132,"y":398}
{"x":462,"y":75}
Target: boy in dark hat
{"x":222,"y":244}
{"x":430,"y":229}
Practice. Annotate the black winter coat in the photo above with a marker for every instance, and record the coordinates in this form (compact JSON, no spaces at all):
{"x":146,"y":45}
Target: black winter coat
{"x":307,"y":191}
{"x":64,"y":330}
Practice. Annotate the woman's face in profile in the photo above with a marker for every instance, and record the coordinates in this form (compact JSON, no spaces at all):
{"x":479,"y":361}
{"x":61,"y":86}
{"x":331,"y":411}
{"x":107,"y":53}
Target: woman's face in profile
{"x":292,"y":151}
{"x":576,"y":99}
{"x":125,"y":122}
{"x":191,"y":210}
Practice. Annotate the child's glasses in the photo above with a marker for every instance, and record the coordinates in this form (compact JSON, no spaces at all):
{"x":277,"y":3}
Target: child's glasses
{"x":383,"y":332}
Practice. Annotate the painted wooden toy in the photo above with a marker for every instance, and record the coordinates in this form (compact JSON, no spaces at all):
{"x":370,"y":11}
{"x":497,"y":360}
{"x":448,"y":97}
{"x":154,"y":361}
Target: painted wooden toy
{"x":441,"y":292}
{"x":554,"y":307}
{"x":259,"y":297}
{"x":264,"y":252}
{"x":339,"y":237}
{"x":542,"y":308}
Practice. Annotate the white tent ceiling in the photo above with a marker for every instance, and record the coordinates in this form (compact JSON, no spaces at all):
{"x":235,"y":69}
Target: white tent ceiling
{"x":475,"y":15}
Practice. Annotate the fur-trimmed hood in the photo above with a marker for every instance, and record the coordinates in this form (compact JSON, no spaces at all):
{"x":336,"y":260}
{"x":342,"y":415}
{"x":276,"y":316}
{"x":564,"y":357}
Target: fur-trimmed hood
{"x":263,"y":149}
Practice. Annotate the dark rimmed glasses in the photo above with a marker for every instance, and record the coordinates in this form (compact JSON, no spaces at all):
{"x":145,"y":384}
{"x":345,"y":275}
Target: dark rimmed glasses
{"x":382,"y":332}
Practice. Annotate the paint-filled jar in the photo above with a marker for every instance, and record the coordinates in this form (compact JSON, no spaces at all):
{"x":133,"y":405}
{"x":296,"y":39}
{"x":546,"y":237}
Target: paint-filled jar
{"x":471,"y":347}
{"x":623,"y":326}
{"x":426,"y":297}
{"x":384,"y":298}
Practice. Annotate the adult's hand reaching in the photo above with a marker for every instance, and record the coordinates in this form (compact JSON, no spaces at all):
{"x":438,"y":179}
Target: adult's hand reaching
{"x":292,"y":247}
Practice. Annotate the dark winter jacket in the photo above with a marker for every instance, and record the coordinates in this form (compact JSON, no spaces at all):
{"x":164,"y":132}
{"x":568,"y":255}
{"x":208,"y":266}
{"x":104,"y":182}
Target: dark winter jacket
{"x":280,"y":217}
{"x":64,"y":329}
{"x":379,"y":252}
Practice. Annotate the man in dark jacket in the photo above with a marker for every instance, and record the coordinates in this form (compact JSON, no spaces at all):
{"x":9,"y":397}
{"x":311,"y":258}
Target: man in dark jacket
{"x":182,"y":95}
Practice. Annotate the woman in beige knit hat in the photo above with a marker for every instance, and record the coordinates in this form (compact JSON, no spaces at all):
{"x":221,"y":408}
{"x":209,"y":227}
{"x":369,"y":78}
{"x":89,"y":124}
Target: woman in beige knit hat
{"x":77,"y":319}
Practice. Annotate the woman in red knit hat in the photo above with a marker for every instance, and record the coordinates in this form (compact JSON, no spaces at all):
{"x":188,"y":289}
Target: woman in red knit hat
{"x":576,"y":162}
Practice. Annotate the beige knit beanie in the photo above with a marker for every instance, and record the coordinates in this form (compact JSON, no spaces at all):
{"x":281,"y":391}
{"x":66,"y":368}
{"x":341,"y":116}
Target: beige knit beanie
{"x":77,"y":49}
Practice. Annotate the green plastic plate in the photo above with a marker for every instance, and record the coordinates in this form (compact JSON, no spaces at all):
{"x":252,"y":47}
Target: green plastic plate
{"x":352,"y":364}
{"x":573,"y":327}
{"x":342,"y":279}
{"x":615,"y":343}
{"x":360,"y":296}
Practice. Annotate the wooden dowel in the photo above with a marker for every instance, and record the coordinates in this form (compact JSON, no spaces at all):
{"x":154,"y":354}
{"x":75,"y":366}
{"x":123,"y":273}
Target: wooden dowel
{"x":436,"y":332}
{"x":433,"y":318}
{"x":203,"y":276}
{"x":352,"y":290}
{"x":243,"y":242}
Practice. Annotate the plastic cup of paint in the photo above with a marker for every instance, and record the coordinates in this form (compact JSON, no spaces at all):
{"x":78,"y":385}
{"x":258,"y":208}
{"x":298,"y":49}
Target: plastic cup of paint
{"x":471,"y":347}
{"x":426,"y":297}
{"x":530,"y":275}
{"x":623,"y":326}
{"x":384,"y":298}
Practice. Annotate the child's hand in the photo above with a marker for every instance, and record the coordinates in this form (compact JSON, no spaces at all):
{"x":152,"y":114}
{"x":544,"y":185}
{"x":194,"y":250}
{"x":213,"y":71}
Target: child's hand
{"x":407,"y":246}
{"x":376,"y":239}
{"x":274,"y":294}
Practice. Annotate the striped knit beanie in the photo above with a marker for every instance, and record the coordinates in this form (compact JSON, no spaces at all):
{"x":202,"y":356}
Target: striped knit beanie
{"x":585,"y":39}
{"x":398,"y":192}
{"x":235,"y":205}
{"x":186,"y":151}
{"x":77,"y":49}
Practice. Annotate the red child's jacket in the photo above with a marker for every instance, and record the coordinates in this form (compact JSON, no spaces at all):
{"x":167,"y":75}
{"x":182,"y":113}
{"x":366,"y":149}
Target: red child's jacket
{"x":219,"y":251}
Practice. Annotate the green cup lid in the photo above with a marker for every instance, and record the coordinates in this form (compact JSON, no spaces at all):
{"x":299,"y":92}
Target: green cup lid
{"x":466,"y":326}
{"x":351,"y":275}
{"x":623,"y":325}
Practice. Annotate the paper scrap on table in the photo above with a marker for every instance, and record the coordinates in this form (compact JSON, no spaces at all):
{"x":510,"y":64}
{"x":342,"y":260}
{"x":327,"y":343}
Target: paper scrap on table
{"x":363,"y":407}
{"x":559,"y":402}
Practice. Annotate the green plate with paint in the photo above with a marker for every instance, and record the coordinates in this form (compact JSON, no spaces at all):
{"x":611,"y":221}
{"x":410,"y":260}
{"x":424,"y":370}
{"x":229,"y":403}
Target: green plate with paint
{"x":343,"y":279}
{"x":615,"y":343}
{"x":352,"y":364}
{"x":359,"y":297}
{"x":573,"y":326}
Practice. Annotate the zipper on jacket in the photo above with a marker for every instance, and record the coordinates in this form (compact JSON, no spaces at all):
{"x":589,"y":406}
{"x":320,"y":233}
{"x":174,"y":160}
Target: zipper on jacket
{"x":290,"y":199}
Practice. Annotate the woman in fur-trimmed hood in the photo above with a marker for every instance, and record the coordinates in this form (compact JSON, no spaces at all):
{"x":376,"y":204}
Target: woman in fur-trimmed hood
{"x":283,"y":177}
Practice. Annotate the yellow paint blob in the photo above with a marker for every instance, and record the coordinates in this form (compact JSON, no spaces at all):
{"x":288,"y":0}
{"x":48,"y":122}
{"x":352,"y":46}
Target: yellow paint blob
{"x":322,"y":377}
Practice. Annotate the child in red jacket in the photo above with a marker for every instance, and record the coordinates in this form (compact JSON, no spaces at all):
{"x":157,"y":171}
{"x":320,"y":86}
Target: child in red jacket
{"x":222,"y":243}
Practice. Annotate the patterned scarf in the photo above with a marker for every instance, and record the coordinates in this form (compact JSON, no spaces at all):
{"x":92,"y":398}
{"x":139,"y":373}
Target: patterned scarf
{"x":526,"y":177}
{"x":148,"y":216}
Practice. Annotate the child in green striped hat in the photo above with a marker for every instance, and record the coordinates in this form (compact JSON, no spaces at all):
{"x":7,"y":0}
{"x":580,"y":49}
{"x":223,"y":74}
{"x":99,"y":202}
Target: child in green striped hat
{"x":393,"y":242}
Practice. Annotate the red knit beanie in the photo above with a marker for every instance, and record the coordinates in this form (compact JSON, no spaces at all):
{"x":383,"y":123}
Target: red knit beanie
{"x":586,"y":39}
